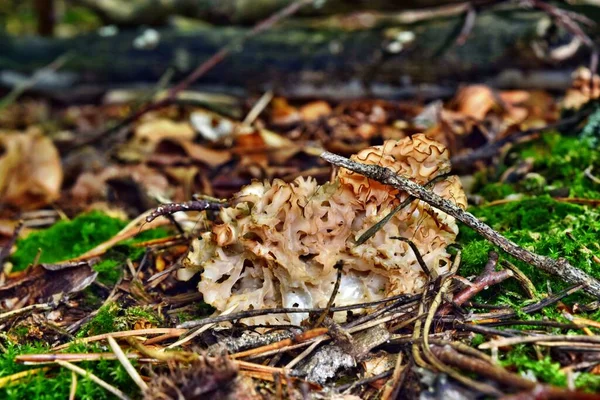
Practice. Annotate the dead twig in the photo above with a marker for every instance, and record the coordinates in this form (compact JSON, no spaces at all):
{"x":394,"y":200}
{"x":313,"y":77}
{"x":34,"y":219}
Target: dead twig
{"x":399,"y":299}
{"x":194,"y":205}
{"x":339,"y":266}
{"x":369,"y":233}
{"x":560,"y":268}
{"x":23,"y":310}
{"x":492,"y":317}
{"x":418,"y":255}
{"x":124,"y":360}
{"x":480,"y":367}
{"x":539,"y":339}
{"x":491,"y":149}
{"x":300,"y":338}
{"x":488,"y":277}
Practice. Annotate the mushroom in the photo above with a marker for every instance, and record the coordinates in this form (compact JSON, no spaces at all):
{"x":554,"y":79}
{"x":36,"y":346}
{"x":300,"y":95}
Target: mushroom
{"x":279,"y":243}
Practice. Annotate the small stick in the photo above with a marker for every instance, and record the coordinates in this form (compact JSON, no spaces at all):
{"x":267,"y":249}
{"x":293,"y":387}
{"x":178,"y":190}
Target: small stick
{"x":339,"y":266}
{"x":418,"y":255}
{"x":401,"y":299}
{"x":73,"y":390}
{"x":198,"y":331}
{"x":23,"y":310}
{"x":29,"y":359}
{"x":13,"y":378}
{"x":432,"y":358}
{"x":486,"y":318}
{"x":541,"y":338}
{"x":560,"y":268}
{"x":137,"y":332}
{"x":450,"y":356}
{"x":488,"y":277}
{"x":523,"y":279}
{"x":94,"y":378}
{"x":369,"y":233}
{"x":135,"y":376}
{"x":194,"y":205}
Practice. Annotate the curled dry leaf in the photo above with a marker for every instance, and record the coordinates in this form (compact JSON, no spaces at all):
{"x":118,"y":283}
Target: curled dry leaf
{"x":30,"y":170}
{"x":39,"y":283}
{"x":149,"y":136}
{"x":585,"y":87}
{"x":279,"y":243}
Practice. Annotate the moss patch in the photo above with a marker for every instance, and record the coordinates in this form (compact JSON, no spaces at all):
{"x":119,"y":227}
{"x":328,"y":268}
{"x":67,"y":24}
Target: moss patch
{"x":542,"y":225}
{"x":68,"y":239}
{"x":55,"y":383}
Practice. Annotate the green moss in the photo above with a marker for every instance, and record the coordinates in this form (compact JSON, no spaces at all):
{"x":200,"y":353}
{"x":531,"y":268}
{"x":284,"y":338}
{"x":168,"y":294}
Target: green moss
{"x":588,"y":382}
{"x":138,"y":314}
{"x":69,"y":239}
{"x":545,"y":369}
{"x":559,"y":162}
{"x":523,"y":359}
{"x":66,"y":239}
{"x":542,"y":225}
{"x":496,"y":191}
{"x":55,"y":384}
{"x":112,"y":318}
{"x":103,"y":322}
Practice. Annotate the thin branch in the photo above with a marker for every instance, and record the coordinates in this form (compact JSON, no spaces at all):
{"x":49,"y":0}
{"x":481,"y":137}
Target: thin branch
{"x":369,"y":233}
{"x":488,"y":277}
{"x":122,"y":357}
{"x":480,"y":367}
{"x":194,"y":205}
{"x":399,"y":299}
{"x":560,"y":268}
{"x":339,"y":266}
{"x":541,"y":338}
{"x":418,"y":255}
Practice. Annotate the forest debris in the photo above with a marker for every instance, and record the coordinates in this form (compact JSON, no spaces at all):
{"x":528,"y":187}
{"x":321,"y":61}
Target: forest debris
{"x":488,"y":277}
{"x":210,"y":377}
{"x":30,"y":170}
{"x":48,"y":283}
{"x":560,"y":267}
{"x":88,"y":375}
{"x":279,"y":243}
{"x":328,"y":361}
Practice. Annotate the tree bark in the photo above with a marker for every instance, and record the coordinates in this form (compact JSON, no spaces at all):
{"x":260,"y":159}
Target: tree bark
{"x":157,"y":12}
{"x":422,"y":53}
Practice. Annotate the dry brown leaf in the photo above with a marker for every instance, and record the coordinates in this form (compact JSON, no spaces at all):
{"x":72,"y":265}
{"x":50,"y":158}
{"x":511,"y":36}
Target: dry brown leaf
{"x":475,"y":101}
{"x":149,"y":134}
{"x":282,"y":113}
{"x":315,"y":110}
{"x":30,"y":170}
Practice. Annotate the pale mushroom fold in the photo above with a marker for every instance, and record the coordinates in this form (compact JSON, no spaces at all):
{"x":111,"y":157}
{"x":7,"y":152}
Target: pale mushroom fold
{"x":279,"y":243}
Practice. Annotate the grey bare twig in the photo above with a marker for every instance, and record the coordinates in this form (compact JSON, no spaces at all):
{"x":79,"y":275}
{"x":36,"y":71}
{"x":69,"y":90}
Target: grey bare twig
{"x":559,"y":267}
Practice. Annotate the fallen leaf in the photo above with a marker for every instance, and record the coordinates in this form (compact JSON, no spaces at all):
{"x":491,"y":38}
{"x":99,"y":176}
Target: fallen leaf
{"x":30,"y":170}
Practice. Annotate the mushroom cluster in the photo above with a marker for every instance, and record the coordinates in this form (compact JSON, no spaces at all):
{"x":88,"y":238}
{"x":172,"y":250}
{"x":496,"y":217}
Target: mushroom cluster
{"x":279,"y":243}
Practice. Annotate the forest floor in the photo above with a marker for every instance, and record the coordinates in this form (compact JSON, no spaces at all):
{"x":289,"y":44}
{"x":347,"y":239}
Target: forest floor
{"x":92,"y":270}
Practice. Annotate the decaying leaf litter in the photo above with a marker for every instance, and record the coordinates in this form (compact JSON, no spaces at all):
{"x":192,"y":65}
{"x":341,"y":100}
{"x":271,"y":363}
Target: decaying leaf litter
{"x":215,"y":253}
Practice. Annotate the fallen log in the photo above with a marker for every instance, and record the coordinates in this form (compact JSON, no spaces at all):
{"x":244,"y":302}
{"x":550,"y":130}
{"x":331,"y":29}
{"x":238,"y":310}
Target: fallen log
{"x":403,"y":55}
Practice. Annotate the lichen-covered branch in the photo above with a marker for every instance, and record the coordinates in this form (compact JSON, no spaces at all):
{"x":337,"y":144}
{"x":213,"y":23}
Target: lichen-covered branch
{"x":558,"y":267}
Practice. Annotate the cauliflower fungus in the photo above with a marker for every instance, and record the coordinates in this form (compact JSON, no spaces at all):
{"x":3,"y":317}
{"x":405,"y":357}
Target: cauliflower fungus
{"x":279,"y":243}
